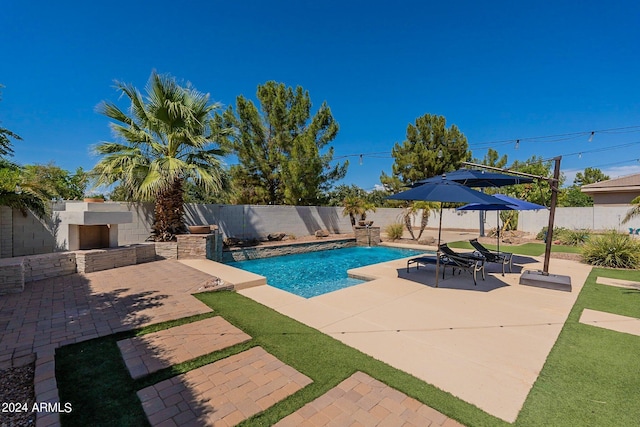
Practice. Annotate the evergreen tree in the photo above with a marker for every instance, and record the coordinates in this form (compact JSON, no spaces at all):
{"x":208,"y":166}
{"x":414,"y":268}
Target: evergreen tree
{"x":493,"y":159}
{"x":589,"y":176}
{"x":279,"y":148}
{"x":430,"y":149}
{"x":539,"y":191}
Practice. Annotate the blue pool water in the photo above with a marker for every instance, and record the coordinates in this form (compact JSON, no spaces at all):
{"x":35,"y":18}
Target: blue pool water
{"x":316,"y":273}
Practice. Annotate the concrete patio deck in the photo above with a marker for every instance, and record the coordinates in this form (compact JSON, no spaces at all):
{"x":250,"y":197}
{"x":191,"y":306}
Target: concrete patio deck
{"x":484,"y":344}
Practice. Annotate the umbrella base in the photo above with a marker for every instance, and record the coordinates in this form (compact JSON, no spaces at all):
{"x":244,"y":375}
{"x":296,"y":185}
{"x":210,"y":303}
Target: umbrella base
{"x":538,"y":279}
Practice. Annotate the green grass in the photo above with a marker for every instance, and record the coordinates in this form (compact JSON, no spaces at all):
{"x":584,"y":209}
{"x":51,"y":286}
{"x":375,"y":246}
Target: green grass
{"x":92,"y":376}
{"x":590,"y":377}
{"x":530,"y":249}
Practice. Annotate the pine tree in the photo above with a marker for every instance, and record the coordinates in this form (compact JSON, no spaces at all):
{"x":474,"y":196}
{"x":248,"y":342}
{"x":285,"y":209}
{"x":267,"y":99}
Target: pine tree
{"x":280,"y":147}
{"x":430,"y":149}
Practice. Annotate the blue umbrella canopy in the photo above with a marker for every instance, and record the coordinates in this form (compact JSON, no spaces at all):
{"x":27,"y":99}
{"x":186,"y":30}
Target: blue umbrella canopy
{"x":444,"y":190}
{"x":520,"y":205}
{"x":513,"y":205}
{"x":478,"y":178}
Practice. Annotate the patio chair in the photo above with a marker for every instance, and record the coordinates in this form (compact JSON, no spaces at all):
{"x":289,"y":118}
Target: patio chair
{"x":430,"y":260}
{"x":504,"y":258}
{"x":467,"y":261}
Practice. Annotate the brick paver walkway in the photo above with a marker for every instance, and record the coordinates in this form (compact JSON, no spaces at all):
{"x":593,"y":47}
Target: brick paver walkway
{"x":152,"y":352}
{"x":223,"y":393}
{"x":363,"y":401}
{"x":64,"y":310}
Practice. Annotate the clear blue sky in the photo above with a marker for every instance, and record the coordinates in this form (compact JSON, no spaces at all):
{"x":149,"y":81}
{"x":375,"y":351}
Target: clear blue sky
{"x":499,"y":70}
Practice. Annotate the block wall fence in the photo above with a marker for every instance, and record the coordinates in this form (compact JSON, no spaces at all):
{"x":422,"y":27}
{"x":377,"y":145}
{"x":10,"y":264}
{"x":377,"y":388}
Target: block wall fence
{"x":21,"y":236}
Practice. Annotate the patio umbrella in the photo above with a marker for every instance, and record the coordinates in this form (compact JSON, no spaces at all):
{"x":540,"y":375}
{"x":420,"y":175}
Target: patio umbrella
{"x":513,"y":205}
{"x":476,"y":178}
{"x":444,"y":190}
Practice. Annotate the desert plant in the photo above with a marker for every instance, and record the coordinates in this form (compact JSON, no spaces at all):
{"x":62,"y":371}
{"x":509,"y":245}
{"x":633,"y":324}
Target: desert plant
{"x":394,"y":231}
{"x":509,"y":220}
{"x":612,"y":249}
{"x":572,"y":237}
{"x":542,"y":234}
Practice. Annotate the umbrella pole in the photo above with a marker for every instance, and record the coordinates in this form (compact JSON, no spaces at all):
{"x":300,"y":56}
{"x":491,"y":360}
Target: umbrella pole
{"x":498,"y":225}
{"x":438,"y":249}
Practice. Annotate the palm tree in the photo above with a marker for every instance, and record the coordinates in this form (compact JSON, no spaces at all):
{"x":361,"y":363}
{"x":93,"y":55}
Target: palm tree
{"x":411,"y":210}
{"x":18,"y":191}
{"x":634,"y":211}
{"x":169,"y":137}
{"x":357,"y":206}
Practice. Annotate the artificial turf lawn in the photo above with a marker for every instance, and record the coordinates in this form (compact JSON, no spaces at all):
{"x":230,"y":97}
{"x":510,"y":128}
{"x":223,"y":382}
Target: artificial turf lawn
{"x":81,"y":368}
{"x":590,"y":377}
{"x":531,"y":249}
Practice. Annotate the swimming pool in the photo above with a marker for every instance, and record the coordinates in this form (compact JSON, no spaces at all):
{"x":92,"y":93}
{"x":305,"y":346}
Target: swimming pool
{"x":315,"y":273}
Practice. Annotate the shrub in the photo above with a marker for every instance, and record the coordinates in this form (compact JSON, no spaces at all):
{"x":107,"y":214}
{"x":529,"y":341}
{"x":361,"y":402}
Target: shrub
{"x":612,"y":250}
{"x":394,"y":231}
{"x":572,"y":237}
{"x":542,"y":234}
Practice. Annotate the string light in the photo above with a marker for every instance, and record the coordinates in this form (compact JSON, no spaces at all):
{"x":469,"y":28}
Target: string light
{"x":360,"y":159}
{"x":591,"y":136}
{"x":517,"y":144}
{"x":580,"y":155}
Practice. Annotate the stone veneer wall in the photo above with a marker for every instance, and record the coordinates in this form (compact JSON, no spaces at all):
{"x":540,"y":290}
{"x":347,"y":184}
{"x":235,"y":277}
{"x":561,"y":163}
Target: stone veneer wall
{"x":243,"y":254}
{"x":16,"y":271}
{"x":167,"y":250}
{"x":204,"y":246}
{"x":367,"y":236}
{"x":105,"y":259}
{"x":44,"y":266}
{"x":11,"y":275}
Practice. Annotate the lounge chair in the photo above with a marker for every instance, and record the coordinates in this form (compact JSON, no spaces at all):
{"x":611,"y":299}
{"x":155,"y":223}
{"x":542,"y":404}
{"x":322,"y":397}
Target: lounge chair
{"x":503,"y":258}
{"x":467,"y":261}
{"x":430,"y":260}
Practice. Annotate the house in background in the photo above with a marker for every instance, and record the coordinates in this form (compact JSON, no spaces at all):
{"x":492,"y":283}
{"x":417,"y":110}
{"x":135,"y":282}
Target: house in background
{"x":614,"y":192}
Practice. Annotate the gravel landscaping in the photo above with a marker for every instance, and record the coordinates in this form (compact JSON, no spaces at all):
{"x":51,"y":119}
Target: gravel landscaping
{"x":16,"y":394}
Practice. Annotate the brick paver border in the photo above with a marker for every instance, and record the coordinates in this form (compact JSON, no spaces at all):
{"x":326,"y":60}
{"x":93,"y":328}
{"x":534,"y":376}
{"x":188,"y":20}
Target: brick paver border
{"x":364,"y":401}
{"x":158,"y":350}
{"x":223,"y":393}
